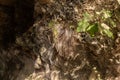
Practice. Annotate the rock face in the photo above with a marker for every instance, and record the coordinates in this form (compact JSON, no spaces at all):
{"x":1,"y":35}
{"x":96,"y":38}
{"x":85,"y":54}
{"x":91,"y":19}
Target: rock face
{"x":63,"y":54}
{"x":16,"y":16}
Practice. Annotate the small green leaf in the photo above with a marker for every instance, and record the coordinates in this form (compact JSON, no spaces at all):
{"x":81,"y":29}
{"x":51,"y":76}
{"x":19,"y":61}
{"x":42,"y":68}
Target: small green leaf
{"x":92,"y":29}
{"x":108,"y":33}
{"x":105,"y":26}
{"x":107,"y":14}
{"x":86,"y":16}
{"x":112,"y":23}
{"x":82,"y":25}
{"x":79,"y":28}
{"x":51,"y":24}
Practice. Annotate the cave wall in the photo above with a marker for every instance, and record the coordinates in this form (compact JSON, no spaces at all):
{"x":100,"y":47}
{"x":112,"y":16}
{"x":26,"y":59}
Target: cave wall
{"x":16,"y":16}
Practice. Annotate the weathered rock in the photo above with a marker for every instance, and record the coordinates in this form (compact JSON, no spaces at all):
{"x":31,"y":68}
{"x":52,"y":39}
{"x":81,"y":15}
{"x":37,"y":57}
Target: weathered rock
{"x":63,"y":53}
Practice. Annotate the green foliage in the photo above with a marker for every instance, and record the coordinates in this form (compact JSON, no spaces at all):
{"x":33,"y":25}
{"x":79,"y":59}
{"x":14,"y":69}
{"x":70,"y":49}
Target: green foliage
{"x":82,"y":26}
{"x":106,"y":14}
{"x":54,"y":29}
{"x":108,"y":33}
{"x":87,"y":16}
{"x":105,"y":29}
{"x":92,"y":26}
{"x":84,"y":23}
{"x":85,"y":26}
{"x":51,"y":23}
{"x":92,"y":29}
{"x":111,"y":22}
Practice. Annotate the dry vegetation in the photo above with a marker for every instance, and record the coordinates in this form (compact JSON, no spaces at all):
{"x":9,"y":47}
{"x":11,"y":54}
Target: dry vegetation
{"x":53,"y":49}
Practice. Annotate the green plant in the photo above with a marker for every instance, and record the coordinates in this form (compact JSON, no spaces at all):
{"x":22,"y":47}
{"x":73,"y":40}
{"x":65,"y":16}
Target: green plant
{"x":92,"y":26}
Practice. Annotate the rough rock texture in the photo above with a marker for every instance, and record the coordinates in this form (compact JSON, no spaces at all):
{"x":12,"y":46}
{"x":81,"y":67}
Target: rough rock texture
{"x":51,"y":49}
{"x":72,"y":55}
{"x":16,"y":16}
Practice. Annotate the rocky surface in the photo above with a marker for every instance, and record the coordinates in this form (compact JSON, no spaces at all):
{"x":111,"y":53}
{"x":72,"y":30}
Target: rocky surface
{"x":51,"y":49}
